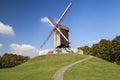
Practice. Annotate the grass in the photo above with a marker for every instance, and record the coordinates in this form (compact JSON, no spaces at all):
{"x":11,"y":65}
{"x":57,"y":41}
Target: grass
{"x":93,"y":69}
{"x":39,"y":68}
{"x":43,"y":68}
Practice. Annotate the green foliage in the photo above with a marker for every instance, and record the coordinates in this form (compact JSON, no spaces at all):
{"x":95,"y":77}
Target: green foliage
{"x":11,"y":60}
{"x":39,"y":68}
{"x":116,"y":49}
{"x":0,"y":62}
{"x":102,"y":49}
{"x":86,"y":49}
{"x":105,"y":49}
{"x":93,"y":69}
{"x":108,"y":50}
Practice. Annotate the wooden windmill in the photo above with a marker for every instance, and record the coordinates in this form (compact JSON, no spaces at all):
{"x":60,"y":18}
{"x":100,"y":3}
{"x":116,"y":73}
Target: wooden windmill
{"x":61,"y":33}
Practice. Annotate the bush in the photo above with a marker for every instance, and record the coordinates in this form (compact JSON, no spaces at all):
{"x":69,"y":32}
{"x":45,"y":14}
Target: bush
{"x":105,"y":49}
{"x":11,"y":60}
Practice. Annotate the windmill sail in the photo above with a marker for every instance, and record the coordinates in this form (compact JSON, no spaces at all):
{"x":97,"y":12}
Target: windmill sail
{"x":61,"y":33}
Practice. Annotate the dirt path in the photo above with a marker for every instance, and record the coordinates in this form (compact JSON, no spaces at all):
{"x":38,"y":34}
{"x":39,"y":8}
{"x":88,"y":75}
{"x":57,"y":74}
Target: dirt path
{"x":60,"y":73}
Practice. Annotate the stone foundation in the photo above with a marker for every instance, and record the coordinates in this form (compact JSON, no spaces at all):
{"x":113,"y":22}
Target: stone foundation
{"x":60,"y":51}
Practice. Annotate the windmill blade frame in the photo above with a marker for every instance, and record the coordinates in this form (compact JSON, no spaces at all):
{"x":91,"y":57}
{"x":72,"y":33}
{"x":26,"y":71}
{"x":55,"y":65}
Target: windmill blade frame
{"x":52,"y":24}
{"x":64,"y":13}
{"x":46,"y":39}
{"x":55,"y":26}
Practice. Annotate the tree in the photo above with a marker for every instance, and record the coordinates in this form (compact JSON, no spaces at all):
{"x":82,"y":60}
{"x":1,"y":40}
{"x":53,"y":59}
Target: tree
{"x":85,"y":49}
{"x":10,"y":60}
{"x":105,"y":49}
{"x":0,"y":62}
{"x":102,"y":49}
{"x":116,"y":49}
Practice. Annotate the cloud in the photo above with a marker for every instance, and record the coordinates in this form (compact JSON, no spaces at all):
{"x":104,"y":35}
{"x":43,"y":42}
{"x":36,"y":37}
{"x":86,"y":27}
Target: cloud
{"x":6,"y":29}
{"x":24,"y":49}
{"x":1,"y":45}
{"x":94,"y":41}
{"x":44,"y":20}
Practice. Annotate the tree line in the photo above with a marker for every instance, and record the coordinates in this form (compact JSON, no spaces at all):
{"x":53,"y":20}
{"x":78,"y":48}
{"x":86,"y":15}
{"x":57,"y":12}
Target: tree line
{"x":10,"y":60}
{"x":105,"y":49}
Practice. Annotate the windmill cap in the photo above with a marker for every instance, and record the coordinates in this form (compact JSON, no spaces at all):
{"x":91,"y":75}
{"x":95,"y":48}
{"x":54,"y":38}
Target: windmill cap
{"x":64,"y":27}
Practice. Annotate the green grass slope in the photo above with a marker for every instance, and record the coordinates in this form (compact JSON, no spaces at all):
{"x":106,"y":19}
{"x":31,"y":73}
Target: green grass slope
{"x":39,"y":68}
{"x":93,"y":69}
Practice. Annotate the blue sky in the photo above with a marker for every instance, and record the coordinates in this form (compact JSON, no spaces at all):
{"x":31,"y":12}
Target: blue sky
{"x":88,"y":21}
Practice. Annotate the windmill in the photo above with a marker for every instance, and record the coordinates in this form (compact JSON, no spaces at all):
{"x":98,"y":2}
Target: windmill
{"x":61,"y":36}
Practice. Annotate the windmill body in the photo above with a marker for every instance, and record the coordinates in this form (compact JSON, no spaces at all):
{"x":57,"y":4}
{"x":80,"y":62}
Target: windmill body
{"x":59,"y":41}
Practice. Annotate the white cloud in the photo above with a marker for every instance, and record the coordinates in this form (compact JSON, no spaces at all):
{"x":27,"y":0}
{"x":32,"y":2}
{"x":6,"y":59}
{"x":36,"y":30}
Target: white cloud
{"x":94,"y":41}
{"x":44,"y":20}
{"x":1,"y":45}
{"x":6,"y":29}
{"x":24,"y":49}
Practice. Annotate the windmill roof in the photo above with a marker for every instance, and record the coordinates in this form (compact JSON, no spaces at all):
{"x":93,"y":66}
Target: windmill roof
{"x":64,"y":27}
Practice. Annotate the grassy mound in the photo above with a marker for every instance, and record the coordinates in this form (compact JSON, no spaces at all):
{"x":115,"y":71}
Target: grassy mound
{"x":93,"y":69}
{"x":39,"y":68}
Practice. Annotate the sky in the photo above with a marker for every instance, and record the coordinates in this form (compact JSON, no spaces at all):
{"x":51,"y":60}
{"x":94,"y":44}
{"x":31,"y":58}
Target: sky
{"x":23,"y":25}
